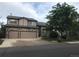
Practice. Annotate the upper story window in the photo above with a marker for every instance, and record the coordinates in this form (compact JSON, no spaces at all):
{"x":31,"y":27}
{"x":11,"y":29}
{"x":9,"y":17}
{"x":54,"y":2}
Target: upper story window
{"x":31,"y":23}
{"x":34,"y":23}
{"x":12,"y":22}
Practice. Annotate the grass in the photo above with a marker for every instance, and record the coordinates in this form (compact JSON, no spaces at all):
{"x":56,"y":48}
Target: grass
{"x":55,"y":40}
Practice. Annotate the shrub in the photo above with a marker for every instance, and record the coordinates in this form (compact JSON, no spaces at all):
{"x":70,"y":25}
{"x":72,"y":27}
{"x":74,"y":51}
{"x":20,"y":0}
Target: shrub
{"x":1,"y":41}
{"x":59,"y":40}
{"x":50,"y":36}
{"x":53,"y":34}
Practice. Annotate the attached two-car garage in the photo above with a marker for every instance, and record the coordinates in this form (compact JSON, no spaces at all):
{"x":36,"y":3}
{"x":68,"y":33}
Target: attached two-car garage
{"x":14,"y":34}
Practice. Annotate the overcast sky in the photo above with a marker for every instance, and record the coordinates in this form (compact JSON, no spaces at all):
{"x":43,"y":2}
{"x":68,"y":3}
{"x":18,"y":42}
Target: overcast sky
{"x":36,"y":10}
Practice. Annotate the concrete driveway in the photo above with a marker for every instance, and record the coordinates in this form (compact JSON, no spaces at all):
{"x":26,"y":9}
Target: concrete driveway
{"x":23,"y":42}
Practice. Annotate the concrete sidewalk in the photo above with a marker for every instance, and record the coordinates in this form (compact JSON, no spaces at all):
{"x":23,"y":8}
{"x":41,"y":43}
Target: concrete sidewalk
{"x":29,"y":42}
{"x":73,"y":42}
{"x":23,"y":42}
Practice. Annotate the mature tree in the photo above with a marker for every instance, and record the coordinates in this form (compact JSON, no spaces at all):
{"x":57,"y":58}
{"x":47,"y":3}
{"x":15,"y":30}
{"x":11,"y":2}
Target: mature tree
{"x":62,"y":18}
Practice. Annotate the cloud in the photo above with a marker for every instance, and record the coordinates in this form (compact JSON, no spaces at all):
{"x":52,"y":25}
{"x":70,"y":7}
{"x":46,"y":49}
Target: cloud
{"x":40,"y":9}
{"x":17,"y":9}
{"x":43,"y":9}
{"x":75,"y":4}
{"x":36,"y":10}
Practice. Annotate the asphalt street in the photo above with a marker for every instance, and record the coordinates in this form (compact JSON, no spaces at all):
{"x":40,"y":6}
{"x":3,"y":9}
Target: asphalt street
{"x":51,"y":50}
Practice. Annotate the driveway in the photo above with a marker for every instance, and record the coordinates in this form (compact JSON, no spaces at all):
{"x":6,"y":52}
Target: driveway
{"x":23,"y":42}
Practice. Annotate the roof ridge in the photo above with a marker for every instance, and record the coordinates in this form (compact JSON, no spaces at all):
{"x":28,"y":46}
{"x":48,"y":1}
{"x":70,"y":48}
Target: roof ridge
{"x":18,"y":17}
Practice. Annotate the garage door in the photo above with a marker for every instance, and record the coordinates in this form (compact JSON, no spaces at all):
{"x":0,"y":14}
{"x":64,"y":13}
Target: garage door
{"x":28,"y":34}
{"x":13,"y":34}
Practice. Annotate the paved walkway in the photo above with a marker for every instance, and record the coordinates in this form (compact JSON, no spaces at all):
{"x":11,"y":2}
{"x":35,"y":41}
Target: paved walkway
{"x":23,"y":42}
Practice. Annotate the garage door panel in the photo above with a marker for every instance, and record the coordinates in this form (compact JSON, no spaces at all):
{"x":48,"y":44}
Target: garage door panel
{"x":28,"y":34}
{"x":13,"y":34}
{"x":16,"y":34}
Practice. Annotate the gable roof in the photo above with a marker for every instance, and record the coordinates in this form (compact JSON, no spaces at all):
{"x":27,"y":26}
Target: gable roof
{"x":19,"y":18}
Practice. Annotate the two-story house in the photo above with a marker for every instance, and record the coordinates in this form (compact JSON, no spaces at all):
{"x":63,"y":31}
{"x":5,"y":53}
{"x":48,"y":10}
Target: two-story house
{"x":23,"y":27}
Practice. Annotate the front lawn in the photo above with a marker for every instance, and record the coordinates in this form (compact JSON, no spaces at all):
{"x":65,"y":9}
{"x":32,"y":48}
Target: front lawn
{"x":60,"y":41}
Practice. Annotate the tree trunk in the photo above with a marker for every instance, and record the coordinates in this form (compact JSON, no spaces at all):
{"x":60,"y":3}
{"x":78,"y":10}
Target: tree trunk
{"x":59,"y":36}
{"x":67,"y":35}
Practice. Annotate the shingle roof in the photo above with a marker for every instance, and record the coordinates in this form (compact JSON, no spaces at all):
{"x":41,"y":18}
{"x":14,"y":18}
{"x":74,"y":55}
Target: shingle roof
{"x":41,"y":24}
{"x":18,"y":18}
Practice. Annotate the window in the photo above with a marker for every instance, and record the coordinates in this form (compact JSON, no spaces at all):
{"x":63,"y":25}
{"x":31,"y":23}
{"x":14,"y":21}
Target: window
{"x":29,"y":22}
{"x":33,"y":23}
{"x":12,"y":22}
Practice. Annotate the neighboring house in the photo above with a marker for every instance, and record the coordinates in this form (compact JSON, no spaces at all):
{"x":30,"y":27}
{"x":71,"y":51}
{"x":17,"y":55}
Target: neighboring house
{"x":23,"y":27}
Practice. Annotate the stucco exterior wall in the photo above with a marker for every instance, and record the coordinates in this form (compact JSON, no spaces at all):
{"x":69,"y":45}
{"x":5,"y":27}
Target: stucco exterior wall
{"x":23,"y":22}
